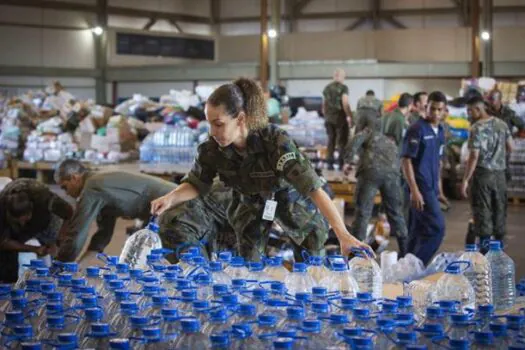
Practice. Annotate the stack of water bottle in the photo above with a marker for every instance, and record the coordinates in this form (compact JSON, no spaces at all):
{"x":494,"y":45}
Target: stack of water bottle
{"x":323,"y":303}
{"x":170,"y":145}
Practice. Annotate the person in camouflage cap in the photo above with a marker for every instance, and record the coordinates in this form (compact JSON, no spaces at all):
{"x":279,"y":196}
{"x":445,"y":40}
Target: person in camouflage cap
{"x":369,"y":107}
{"x":378,"y":170}
{"x":271,"y":180}
{"x":489,"y":144}
{"x":336,"y":110}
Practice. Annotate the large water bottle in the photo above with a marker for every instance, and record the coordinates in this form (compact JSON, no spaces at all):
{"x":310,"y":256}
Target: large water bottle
{"x":191,"y":337}
{"x":459,"y":327}
{"x":139,"y":245}
{"x":483,"y":340}
{"x":313,"y":339}
{"x":29,"y":273}
{"x":243,"y":339}
{"x":275,"y":270}
{"x":299,"y":280}
{"x":368,"y":275}
{"x":501,"y":337}
{"x":98,"y":338}
{"x":237,"y":268}
{"x":316,"y":268}
{"x":479,"y":274}
{"x":454,"y":286}
{"x":340,"y":280}
{"x":503,"y":278}
{"x":217,"y":323}
{"x":218,"y":275}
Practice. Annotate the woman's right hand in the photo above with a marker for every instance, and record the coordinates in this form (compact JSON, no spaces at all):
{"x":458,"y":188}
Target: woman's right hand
{"x":160,"y":205}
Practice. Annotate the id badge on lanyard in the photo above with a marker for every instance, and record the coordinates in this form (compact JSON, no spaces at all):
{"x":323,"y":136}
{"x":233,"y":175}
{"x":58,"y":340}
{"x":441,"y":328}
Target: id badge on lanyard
{"x":269,"y":209}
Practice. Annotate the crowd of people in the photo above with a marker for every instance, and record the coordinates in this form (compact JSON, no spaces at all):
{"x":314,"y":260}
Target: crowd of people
{"x":250,"y":174}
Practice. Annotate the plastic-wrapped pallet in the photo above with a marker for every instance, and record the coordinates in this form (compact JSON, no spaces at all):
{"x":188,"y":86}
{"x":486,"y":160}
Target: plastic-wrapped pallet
{"x":516,"y":187}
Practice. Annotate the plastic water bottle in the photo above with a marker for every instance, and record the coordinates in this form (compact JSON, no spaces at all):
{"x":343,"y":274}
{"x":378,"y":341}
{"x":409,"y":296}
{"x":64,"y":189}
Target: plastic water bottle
{"x":362,"y":318}
{"x":299,"y":280}
{"x":275,"y":270}
{"x":139,"y":245}
{"x":405,"y":339}
{"x":22,"y":334}
{"x":501,"y":336}
{"x":243,"y":339}
{"x":311,"y":330}
{"x":266,"y":325}
{"x":367,"y":301}
{"x":294,"y":318}
{"x":256,"y":272}
{"x":220,"y":341}
{"x":218,"y":275}
{"x":152,"y":339}
{"x":122,"y":319}
{"x":429,"y":332}
{"x":406,"y":320}
{"x":454,"y":286}
{"x":316,"y":268}
{"x":217,"y":323}
{"x":368,"y":275}
{"x":98,"y":338}
{"x":459,"y":327}
{"x":516,"y":325}
{"x":247,"y":313}
{"x":484,"y":317}
{"x":385,"y":329}
{"x":478,"y":273}
{"x":483,"y":340}
{"x":283,"y":343}
{"x":435,"y":315}
{"x":339,"y":280}
{"x":119,"y":344}
{"x":191,"y":337}
{"x":503,"y":277}
{"x":336,"y":324}
{"x":237,"y":269}
{"x":459,"y":344}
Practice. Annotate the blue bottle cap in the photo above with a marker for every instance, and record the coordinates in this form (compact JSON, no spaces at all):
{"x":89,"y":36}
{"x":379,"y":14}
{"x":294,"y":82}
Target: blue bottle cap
{"x":31,"y":346}
{"x":100,"y":328}
{"x":23,"y":331}
{"x":361,"y":313}
{"x":274,"y":261}
{"x":303,"y":296}
{"x":109,"y":277}
{"x":5,"y":288}
{"x":247,"y":310}
{"x":516,"y":347}
{"x":287,"y":333}
{"x":201,"y":304}
{"x":267,"y":319}
{"x":182,"y":284}
{"x":299,"y":267}
{"x":33,"y":284}
{"x":220,"y":288}
{"x":37,"y":263}
{"x":452,"y":269}
{"x":93,"y":271}
{"x":404,"y":301}
{"x":339,"y":266}
{"x":434,"y":312}
{"x":365,"y":297}
{"x":14,"y":317}
{"x":198,"y":260}
{"x":495,"y":245}
{"x":515,"y":319}
{"x":139,"y":321}
{"x":389,"y":307}
{"x":352,"y":332}
{"x":42,"y":271}
{"x":471,"y":247}
{"x":237,"y":261}
{"x":186,"y":257}
{"x":67,"y":338}
{"x":483,"y":337}
{"x":459,"y":318}
{"x":215,"y":266}
{"x":230,"y":299}
{"x":315,"y":260}
{"x":255,"y":266}
{"x":383,"y":323}
{"x":119,"y":344}
{"x":283,"y":343}
{"x":219,"y":339}
{"x":311,"y":326}
{"x":416,"y":347}
{"x":448,"y":305}
{"x":486,"y":309}
{"x":112,"y":259}
{"x":88,"y":290}
{"x":89,"y":300}
{"x":407,"y":336}
{"x":151,"y":332}
{"x":190,"y":324}
{"x":19,"y":303}
{"x":47,"y":287}
{"x":122,"y":294}
{"x":405,"y":317}
{"x":276,"y":303}
{"x":122,"y":268}
{"x":459,"y":344}
{"x":55,"y":320}
{"x":219,"y":315}
{"x":433,"y":328}
{"x":128,"y":305}
{"x":260,"y":293}
{"x":150,"y":289}
{"x":54,"y":307}
{"x":153,"y":227}
{"x":116,"y":284}
{"x":238,"y":283}
{"x":241,"y":331}
{"x":225,"y":256}
{"x":168,"y":311}
{"x":17,"y":293}
{"x":71,"y":267}
{"x":319,"y":292}
{"x":171,"y":275}
{"x":295,"y":312}
{"x":338,"y":319}
{"x":136,"y":273}
{"x":320,"y":307}
{"x":277,"y":287}
{"x":160,"y":299}
{"x":194,"y":251}
{"x":362,"y":341}
{"x":93,"y":314}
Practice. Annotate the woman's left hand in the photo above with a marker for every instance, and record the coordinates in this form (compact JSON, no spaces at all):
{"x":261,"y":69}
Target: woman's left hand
{"x":348,"y":242}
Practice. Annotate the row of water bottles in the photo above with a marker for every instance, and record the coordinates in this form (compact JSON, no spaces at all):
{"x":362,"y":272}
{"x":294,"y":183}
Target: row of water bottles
{"x":170,"y":145}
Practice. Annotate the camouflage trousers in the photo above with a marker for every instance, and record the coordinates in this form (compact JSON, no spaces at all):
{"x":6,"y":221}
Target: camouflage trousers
{"x":337,"y":137}
{"x":297,"y":215}
{"x":369,"y":182}
{"x":489,"y":203}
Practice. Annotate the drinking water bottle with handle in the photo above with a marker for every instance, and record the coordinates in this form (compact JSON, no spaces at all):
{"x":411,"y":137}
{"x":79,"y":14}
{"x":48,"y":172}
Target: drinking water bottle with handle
{"x":367,"y":273}
{"x":275,"y":269}
{"x":479,"y":274}
{"x":454,"y":286}
{"x":139,"y":245}
{"x":503,"y":277}
{"x":340,"y":280}
{"x":299,"y":280}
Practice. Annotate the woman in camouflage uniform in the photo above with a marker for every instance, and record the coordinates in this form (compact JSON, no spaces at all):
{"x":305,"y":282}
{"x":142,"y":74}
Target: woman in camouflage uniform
{"x":270,"y":178}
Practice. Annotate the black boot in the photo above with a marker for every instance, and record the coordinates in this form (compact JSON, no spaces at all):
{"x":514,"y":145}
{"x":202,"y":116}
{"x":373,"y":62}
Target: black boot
{"x":402,"y":242}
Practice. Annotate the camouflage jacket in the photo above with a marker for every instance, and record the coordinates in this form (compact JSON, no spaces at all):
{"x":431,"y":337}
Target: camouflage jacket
{"x":395,"y":125}
{"x":490,"y":137}
{"x":509,"y":116}
{"x":271,"y":163}
{"x":333,"y":101}
{"x":370,"y":103}
{"x":376,"y":152}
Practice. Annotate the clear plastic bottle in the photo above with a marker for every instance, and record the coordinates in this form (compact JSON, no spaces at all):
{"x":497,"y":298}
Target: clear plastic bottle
{"x":503,"y":277}
{"x":266,"y":325}
{"x":294,"y":318}
{"x":516,"y":325}
{"x":454,"y":286}
{"x":159,"y":302}
{"x":299,"y":280}
{"x":316,"y":268}
{"x":340,"y":281}
{"x":435,"y":315}
{"x":98,"y":338}
{"x":119,"y":344}
{"x":121,"y":319}
{"x":362,"y":319}
{"x":478,"y":273}
{"x":385,"y":334}
{"x":56,"y":324}
{"x":428,"y":333}
{"x":283,"y":343}
{"x":247,"y":313}
{"x":191,"y":337}
{"x":320,"y":310}
{"x":29,"y":273}
{"x":243,"y":339}
{"x":459,"y":327}
{"x":256,"y":272}
{"x":220,"y":341}
{"x":320,"y":293}
{"x":484,"y":317}
{"x":388,"y":311}
{"x":405,"y":339}
{"x":367,"y":274}
{"x":275,"y":270}
{"x":138,"y":323}
{"x":406,"y":320}
{"x":483,"y":340}
{"x":217,"y":323}
{"x":501,"y":336}
{"x":237,"y":268}
{"x":348,"y":305}
{"x":334,"y":329}
{"x":152,"y":339}
{"x":31,"y":346}
{"x":91,"y":316}
{"x":139,"y":245}
{"x":218,"y":275}
{"x":367,"y":301}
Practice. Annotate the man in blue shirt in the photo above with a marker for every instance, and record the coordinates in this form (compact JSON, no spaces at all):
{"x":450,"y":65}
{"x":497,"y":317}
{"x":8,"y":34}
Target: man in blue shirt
{"x":421,"y":161}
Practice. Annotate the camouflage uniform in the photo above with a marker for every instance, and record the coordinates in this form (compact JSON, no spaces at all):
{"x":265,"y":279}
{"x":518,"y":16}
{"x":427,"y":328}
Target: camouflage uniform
{"x":105,"y":197}
{"x":378,"y":170}
{"x":489,"y":185}
{"x":49,"y":211}
{"x":270,"y":167}
{"x":200,"y":222}
{"x":413,"y":118}
{"x":368,"y":107}
{"x":335,"y":119}
{"x":509,"y":116}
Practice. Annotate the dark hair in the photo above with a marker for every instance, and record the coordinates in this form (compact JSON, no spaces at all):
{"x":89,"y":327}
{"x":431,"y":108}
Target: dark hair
{"x":476,"y":100}
{"x":437,"y":96}
{"x":370,"y":93}
{"x":243,"y":95}
{"x":405,"y":100}
{"x":19,"y":204}
{"x":417,"y":96}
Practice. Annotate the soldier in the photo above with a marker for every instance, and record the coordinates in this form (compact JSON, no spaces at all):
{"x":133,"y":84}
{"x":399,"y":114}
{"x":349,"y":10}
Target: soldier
{"x":378,"y":170}
{"x":369,"y":107}
{"x":489,"y":144}
{"x":102,"y":197}
{"x":336,"y":110}
{"x":419,"y":107}
{"x":28,"y":209}
{"x":504,"y":112}
{"x":270,"y":178}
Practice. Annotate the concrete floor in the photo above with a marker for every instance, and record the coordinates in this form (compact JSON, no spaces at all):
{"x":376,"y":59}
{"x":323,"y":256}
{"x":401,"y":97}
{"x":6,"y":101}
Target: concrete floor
{"x":456,"y":220}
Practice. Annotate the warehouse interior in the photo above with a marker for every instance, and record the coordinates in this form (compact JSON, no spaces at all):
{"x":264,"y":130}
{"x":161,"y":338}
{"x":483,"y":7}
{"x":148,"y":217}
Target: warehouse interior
{"x":136,"y":75}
